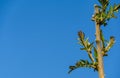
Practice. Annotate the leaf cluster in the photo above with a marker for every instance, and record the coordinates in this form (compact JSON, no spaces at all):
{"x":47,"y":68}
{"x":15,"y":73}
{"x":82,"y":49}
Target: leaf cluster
{"x":82,"y":64}
{"x":92,"y":51}
{"x":86,"y":45}
{"x":101,"y":16}
{"x":105,"y":13}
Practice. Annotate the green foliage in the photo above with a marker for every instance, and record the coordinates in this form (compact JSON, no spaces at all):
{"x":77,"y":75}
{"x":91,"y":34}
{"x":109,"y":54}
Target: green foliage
{"x":105,"y":14}
{"x":95,"y":54}
{"x":82,"y":64}
{"x":110,"y":44}
{"x":102,"y":39}
{"x":102,"y":17}
{"x":86,"y":45}
{"x":104,"y":4}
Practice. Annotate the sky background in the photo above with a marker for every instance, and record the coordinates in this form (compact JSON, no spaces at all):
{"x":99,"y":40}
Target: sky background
{"x":38,"y":38}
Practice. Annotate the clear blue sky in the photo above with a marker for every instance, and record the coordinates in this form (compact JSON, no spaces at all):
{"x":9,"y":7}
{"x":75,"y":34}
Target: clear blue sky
{"x":38,"y":38}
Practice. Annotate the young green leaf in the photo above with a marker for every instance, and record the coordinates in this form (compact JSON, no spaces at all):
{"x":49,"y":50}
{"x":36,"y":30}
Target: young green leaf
{"x":102,"y":38}
{"x":81,"y":35}
{"x":95,"y":54}
{"x":83,"y":48}
{"x":71,"y":69}
{"x":110,"y":44}
{"x":116,"y":7}
{"x":104,"y":4}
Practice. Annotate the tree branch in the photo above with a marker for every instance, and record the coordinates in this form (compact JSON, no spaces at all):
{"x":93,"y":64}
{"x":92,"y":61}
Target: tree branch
{"x":98,"y":44}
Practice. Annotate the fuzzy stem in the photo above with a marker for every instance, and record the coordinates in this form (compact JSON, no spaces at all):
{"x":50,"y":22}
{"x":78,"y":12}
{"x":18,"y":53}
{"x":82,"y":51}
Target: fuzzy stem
{"x":98,"y":44}
{"x":90,"y":56}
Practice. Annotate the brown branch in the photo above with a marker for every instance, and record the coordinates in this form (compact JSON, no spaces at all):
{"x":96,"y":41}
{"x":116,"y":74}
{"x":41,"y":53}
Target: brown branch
{"x":90,"y":56}
{"x":98,"y":44}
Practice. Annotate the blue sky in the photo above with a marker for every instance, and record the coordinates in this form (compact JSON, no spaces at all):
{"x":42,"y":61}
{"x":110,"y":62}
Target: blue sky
{"x":38,"y":38}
